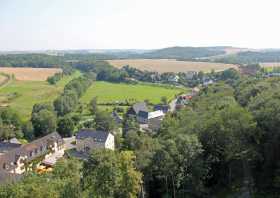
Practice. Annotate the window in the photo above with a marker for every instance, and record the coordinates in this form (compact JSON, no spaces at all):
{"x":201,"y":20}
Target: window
{"x":5,"y":166}
{"x":30,"y":154}
{"x":41,"y":148}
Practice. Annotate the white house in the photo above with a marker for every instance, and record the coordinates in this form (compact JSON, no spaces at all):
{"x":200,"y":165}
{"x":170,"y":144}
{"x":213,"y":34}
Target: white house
{"x":143,"y":117}
{"x":87,"y":140}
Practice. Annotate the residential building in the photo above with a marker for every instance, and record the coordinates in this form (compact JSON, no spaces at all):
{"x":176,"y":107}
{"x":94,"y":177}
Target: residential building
{"x":155,"y":123}
{"x":87,"y":140}
{"x":190,"y":74}
{"x":19,"y":159}
{"x":117,"y":118}
{"x":164,"y":108}
{"x":7,"y":146}
{"x":136,"y":108}
{"x":143,"y":117}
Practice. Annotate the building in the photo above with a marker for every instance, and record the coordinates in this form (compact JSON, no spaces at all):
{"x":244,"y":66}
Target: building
{"x":87,"y":140}
{"x":190,"y":74}
{"x":19,"y":159}
{"x":143,"y":117}
{"x":7,"y":146}
{"x":155,"y":123}
{"x":117,"y":118}
{"x":136,"y":108}
{"x":164,"y":108}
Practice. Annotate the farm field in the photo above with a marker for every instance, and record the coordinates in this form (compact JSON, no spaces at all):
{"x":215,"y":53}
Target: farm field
{"x":30,"y":74}
{"x":22,"y":95}
{"x":170,"y":65}
{"x":111,"y":92}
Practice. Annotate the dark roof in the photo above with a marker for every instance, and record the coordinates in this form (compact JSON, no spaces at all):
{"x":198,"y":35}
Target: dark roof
{"x":6,"y":146}
{"x":141,"y":106}
{"x":117,"y":117}
{"x":100,"y":136}
{"x":163,"y":108}
{"x":143,"y":114}
{"x":23,"y":150}
{"x":43,"y":141}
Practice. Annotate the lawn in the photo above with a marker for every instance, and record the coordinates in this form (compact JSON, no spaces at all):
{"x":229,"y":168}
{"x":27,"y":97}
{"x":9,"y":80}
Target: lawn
{"x":22,"y":95}
{"x":119,"y":92}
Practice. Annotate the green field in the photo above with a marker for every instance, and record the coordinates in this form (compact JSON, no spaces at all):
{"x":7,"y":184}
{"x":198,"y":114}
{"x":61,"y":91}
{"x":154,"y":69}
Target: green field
{"x":22,"y":95}
{"x":119,"y":92}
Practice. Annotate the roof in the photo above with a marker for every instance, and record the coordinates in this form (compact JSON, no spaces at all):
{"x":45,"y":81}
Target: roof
{"x":143,"y":114}
{"x":164,"y":108}
{"x":23,"y":150}
{"x":7,"y":146}
{"x":151,"y":115}
{"x":155,"y":114}
{"x":117,"y":117}
{"x":100,"y":136}
{"x":141,"y":106}
{"x":14,"y":140}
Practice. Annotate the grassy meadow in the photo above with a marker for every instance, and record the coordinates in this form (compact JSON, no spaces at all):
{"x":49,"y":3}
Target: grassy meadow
{"x":22,"y":95}
{"x":119,"y":92}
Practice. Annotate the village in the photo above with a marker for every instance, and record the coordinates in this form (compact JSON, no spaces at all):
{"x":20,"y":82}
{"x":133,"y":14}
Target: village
{"x":42,"y":154}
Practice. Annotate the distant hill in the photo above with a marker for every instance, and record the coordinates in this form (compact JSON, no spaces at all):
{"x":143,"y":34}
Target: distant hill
{"x":248,"y":57}
{"x":184,"y":52}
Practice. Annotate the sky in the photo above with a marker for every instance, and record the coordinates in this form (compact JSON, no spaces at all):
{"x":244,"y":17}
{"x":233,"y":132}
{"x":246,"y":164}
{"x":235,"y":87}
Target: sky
{"x":137,"y":24}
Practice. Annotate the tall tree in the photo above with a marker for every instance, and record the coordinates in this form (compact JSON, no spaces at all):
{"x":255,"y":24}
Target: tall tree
{"x":44,"y":122}
{"x":111,"y":174}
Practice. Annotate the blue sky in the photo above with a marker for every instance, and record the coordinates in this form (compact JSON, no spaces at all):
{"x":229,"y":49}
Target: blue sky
{"x":146,"y":24}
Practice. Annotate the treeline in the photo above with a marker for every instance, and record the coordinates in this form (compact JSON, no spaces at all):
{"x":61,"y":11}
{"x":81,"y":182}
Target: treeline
{"x":30,"y":60}
{"x":251,"y":57}
{"x":55,"y":78}
{"x":47,"y":117}
{"x":224,"y":144}
{"x":69,"y":99}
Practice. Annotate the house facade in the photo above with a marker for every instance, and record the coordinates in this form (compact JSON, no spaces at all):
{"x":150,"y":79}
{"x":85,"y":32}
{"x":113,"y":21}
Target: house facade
{"x":19,"y":159}
{"x":88,"y":140}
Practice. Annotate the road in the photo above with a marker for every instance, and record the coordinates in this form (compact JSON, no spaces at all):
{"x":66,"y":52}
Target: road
{"x":172,"y":105}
